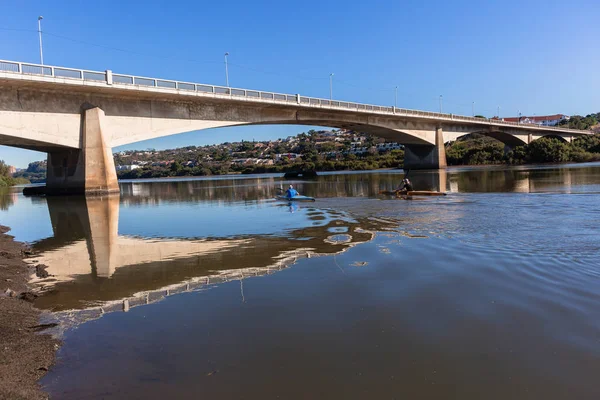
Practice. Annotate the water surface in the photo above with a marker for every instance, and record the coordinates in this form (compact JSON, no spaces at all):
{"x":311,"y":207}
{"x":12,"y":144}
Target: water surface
{"x":489,"y":292}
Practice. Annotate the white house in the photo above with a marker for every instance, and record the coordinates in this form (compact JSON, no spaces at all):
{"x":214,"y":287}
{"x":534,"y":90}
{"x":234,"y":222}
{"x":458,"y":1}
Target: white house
{"x":544,"y":120}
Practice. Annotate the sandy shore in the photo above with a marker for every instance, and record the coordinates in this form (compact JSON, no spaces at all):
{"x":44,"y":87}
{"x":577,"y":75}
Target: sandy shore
{"x":25,"y":354}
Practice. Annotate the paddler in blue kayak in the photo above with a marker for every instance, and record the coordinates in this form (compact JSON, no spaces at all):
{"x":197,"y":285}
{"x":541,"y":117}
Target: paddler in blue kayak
{"x":291,"y":192}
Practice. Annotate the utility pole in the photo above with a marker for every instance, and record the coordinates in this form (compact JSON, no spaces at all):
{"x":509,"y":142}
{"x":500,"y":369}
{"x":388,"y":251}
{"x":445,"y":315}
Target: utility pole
{"x":226,"y":71}
{"x":40,"y":18}
{"x":331,"y":86}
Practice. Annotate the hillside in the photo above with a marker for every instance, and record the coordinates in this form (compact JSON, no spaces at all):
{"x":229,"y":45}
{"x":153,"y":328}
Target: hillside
{"x":314,"y":150}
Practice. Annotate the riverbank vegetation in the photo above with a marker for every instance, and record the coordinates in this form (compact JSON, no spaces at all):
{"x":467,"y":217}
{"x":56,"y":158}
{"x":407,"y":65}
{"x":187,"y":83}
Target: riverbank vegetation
{"x":312,"y":162}
{"x":6,"y":178}
{"x":481,"y":150}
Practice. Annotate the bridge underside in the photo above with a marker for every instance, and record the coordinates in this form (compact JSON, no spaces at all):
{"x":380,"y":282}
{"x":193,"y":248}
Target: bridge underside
{"x":78,"y":128}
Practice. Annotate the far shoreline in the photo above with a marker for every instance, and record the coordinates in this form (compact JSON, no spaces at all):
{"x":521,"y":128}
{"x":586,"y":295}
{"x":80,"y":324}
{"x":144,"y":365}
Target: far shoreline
{"x":536,"y":166}
{"x":239,"y":175}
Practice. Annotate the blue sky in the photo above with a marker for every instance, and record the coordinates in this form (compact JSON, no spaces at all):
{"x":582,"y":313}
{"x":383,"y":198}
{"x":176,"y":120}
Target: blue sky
{"x":534,"y":56}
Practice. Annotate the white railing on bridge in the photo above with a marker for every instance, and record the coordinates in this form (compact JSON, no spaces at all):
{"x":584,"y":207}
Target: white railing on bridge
{"x":111,"y":78}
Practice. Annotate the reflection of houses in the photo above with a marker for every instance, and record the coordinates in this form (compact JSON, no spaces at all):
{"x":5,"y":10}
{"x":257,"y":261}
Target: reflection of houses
{"x":544,"y":120}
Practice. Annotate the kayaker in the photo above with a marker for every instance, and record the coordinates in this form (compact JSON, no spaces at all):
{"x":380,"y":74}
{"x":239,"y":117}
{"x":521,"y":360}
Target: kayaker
{"x":291,"y":192}
{"x":405,"y":186}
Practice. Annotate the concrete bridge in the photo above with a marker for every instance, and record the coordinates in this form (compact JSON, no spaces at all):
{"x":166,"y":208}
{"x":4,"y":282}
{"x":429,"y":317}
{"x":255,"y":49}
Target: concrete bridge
{"x":78,"y":116}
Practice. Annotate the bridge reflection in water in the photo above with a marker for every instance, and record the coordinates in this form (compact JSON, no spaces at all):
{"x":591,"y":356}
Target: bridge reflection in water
{"x":94,"y":269}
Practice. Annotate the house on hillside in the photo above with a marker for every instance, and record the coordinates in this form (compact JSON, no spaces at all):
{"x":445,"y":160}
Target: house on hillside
{"x":289,"y":156}
{"x":127,"y":167}
{"x":388,"y":146}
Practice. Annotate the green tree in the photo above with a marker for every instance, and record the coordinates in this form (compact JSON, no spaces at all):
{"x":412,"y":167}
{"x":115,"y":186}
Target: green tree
{"x":176,"y":168}
{"x":546,"y":150}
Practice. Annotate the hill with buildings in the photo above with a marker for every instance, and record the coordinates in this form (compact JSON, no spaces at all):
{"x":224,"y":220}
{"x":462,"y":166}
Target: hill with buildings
{"x":310,"y":151}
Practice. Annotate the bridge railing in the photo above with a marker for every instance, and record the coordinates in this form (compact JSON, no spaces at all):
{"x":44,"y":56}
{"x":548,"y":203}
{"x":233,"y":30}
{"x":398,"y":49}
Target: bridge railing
{"x":111,"y":78}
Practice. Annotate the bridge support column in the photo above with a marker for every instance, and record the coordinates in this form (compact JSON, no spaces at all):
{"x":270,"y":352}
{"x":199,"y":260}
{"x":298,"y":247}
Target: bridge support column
{"x":424,"y":156}
{"x":90,"y":170}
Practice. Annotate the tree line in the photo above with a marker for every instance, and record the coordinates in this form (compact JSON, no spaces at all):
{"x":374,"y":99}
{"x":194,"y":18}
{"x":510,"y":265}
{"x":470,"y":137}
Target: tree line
{"x":311,"y":162}
{"x":479,"y":150}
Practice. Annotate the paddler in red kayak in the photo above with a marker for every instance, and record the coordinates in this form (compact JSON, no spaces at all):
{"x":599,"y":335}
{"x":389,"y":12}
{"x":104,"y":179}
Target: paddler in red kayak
{"x":405,"y":186}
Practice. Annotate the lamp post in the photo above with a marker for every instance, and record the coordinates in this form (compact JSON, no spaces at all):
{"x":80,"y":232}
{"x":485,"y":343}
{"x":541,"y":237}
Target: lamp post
{"x":440,"y":103}
{"x":396,"y":97}
{"x":473,"y":109}
{"x":498,"y":112}
{"x":331,"y":86}
{"x":519,"y":116}
{"x":226,"y":71}
{"x":40,"y":18}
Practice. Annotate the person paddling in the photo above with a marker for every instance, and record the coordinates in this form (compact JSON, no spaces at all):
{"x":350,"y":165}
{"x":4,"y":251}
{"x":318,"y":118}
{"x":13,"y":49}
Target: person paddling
{"x":291,"y":192}
{"x":405,"y":186}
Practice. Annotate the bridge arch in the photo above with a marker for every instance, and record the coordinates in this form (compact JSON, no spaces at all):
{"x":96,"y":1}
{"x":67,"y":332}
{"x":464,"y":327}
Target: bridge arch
{"x":123,"y":133}
{"x":508,"y":139}
{"x":558,"y":137}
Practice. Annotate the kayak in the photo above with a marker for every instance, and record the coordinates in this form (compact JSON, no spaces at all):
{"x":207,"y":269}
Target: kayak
{"x":295,"y":198}
{"x":412,"y":193}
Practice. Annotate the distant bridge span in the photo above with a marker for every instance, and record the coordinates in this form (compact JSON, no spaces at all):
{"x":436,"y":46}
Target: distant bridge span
{"x":78,"y":116}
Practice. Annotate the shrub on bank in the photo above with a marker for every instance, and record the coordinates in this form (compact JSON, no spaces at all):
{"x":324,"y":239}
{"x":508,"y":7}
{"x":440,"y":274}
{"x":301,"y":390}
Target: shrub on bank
{"x":554,"y":150}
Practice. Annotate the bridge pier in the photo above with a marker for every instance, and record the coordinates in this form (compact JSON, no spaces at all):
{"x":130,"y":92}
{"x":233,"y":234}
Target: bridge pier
{"x":426,"y":156}
{"x":89,"y":171}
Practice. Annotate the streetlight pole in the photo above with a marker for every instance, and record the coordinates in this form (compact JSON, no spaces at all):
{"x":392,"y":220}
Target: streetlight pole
{"x":331,"y":86}
{"x":473,"y":108}
{"x":440,"y":103}
{"x":498,"y":112}
{"x":226,"y":71}
{"x":396,"y":97}
{"x":40,"y":18}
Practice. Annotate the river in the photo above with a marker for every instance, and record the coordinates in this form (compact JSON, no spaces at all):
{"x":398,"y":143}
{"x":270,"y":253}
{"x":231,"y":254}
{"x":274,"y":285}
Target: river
{"x":208,"y":288}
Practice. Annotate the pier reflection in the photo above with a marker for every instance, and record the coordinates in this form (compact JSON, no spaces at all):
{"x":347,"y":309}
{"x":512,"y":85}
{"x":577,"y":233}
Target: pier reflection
{"x":521,"y":179}
{"x":92,"y":265}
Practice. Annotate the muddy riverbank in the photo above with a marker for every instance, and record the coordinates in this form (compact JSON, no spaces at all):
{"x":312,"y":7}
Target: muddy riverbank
{"x":25,"y":354}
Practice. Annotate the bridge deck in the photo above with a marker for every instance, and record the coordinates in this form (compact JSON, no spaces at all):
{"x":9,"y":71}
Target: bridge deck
{"x":36,"y":74}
